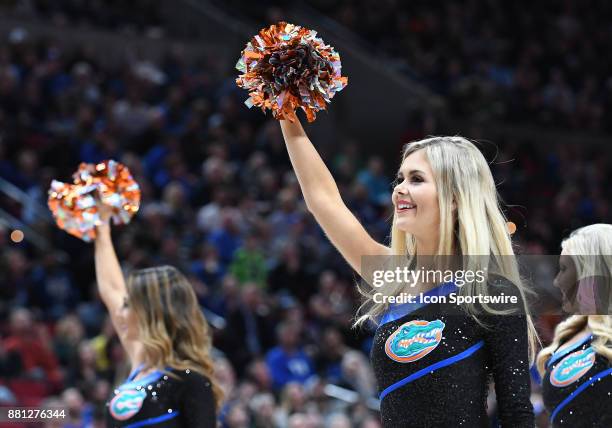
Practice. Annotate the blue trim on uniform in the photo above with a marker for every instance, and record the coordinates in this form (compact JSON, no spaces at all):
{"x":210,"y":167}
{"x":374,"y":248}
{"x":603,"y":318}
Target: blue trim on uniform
{"x":400,"y":310}
{"x":129,"y":383}
{"x":578,"y":390}
{"x":535,"y":375}
{"x":134,"y":373}
{"x":557,"y":355}
{"x":154,"y":420}
{"x":433,"y":367}
{"x":153,"y":376}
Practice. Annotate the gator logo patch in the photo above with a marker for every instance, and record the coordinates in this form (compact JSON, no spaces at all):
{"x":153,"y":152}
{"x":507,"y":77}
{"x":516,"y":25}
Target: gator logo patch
{"x":572,"y":367}
{"x":413,"y":340}
{"x":127,"y":403}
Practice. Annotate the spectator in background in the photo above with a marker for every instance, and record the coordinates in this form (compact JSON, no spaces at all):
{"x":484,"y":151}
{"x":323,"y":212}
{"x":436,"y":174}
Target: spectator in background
{"x":209,"y":216}
{"x":16,"y":280}
{"x":227,"y":237}
{"x":249,"y":262}
{"x":55,"y":404}
{"x":357,"y":374}
{"x":331,"y":303}
{"x":375,"y":181}
{"x":262,"y":406}
{"x":248,"y":325}
{"x":259,"y":374}
{"x":100,"y":342}
{"x":288,"y":362}
{"x":54,"y":291}
{"x":284,"y":216}
{"x":290,"y":275}
{"x":83,"y":373}
{"x":79,"y":413}
{"x":226,"y":376}
{"x":10,"y":365}
{"x":69,"y":333}
{"x":329,"y":358}
{"x":237,"y":417}
{"x":207,"y":267}
{"x":293,"y":402}
{"x":29,"y":340}
{"x":370,"y":422}
{"x":338,"y":420}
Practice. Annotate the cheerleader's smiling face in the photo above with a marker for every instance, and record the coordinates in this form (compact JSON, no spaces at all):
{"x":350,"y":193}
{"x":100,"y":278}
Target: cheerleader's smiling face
{"x":415,"y":198}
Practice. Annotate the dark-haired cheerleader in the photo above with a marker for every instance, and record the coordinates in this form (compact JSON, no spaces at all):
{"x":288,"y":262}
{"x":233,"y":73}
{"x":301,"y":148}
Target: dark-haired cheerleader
{"x":162,"y":329}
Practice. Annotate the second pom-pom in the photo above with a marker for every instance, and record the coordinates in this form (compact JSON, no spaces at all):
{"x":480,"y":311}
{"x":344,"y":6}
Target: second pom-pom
{"x":286,"y":67}
{"x":75,"y":207}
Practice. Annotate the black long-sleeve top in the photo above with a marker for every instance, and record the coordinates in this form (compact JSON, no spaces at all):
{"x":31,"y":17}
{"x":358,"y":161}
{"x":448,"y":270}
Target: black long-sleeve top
{"x":577,"y":385}
{"x":433,"y":363}
{"x":161,"y":401}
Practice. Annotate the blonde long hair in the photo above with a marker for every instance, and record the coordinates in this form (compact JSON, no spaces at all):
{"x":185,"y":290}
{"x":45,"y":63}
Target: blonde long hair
{"x":590,"y":248}
{"x":172,"y":329}
{"x":600,"y":325}
{"x":478,"y":229}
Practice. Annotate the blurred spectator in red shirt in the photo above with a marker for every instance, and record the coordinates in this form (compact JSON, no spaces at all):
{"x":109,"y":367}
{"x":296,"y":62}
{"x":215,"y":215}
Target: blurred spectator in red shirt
{"x":32,"y":344}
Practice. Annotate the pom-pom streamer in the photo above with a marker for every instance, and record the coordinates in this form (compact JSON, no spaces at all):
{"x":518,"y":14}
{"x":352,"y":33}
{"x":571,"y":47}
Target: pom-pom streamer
{"x":75,"y":207}
{"x":286,"y":66}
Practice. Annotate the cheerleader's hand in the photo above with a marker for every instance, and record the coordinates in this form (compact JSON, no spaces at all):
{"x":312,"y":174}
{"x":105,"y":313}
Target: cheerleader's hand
{"x":105,"y":212}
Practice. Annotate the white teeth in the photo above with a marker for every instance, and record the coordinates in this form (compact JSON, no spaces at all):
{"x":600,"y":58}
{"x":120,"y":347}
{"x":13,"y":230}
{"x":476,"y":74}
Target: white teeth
{"x":405,"y":206}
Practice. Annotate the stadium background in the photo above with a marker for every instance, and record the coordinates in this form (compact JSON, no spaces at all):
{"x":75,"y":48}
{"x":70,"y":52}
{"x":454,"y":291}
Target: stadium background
{"x":151,"y":84}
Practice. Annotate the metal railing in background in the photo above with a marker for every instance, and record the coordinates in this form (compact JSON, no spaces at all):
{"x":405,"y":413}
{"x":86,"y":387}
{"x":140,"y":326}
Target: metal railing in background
{"x":398,"y":83}
{"x":350,"y":397}
{"x":11,"y":222}
{"x":36,"y":213}
{"x":375,"y":103}
{"x":216,"y":321}
{"x":116,"y":48}
{"x":404,"y":77}
{"x":375,"y":106}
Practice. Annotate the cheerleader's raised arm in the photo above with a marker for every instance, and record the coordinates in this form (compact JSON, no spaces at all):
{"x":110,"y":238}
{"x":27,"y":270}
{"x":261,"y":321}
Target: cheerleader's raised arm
{"x":109,"y":278}
{"x":287,"y":68}
{"x":324,"y":201}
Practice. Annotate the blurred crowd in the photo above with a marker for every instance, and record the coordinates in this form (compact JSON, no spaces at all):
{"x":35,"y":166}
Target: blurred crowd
{"x":133,"y":16}
{"x":541,"y":62}
{"x":526,"y":62}
{"x":220,"y":202}
{"x":522,"y":62}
